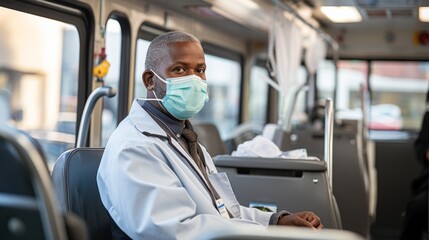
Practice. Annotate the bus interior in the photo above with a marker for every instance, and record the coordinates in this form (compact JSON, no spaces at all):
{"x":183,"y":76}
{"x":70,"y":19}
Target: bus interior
{"x":347,"y":88}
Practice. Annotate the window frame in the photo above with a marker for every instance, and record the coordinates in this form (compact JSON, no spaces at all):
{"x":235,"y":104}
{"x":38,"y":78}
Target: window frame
{"x":147,"y":31}
{"x":270,"y":90}
{"x":124,"y":70}
{"x":80,"y":15}
{"x":369,"y":61}
{"x":232,"y":55}
{"x":370,"y":70}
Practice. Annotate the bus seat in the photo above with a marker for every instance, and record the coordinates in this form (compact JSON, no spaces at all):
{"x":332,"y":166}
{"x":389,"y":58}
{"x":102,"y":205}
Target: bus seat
{"x":74,"y":178}
{"x":351,"y":180}
{"x":242,"y":133}
{"x":209,"y":137}
{"x":351,"y":185}
{"x":20,"y":207}
{"x":304,"y":138}
{"x":13,"y":170}
{"x":289,"y":184}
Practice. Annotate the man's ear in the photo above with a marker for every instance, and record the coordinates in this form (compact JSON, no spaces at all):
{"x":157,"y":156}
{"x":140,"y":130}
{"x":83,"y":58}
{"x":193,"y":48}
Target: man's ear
{"x":148,"y":80}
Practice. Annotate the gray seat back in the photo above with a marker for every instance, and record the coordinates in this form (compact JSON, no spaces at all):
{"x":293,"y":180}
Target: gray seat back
{"x":290,"y":184}
{"x":209,"y":137}
{"x":18,"y":205}
{"x":350,"y":175}
{"x":242,"y":133}
{"x":74,"y":178}
{"x":27,"y":202}
{"x":351,"y":185}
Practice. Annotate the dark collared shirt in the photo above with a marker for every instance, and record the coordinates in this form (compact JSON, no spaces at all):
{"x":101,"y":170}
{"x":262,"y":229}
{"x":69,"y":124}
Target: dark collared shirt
{"x":174,"y":127}
{"x":173,"y":124}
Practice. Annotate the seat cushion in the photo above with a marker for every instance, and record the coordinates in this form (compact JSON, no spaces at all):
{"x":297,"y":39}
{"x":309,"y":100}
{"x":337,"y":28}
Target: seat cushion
{"x":75,"y":183}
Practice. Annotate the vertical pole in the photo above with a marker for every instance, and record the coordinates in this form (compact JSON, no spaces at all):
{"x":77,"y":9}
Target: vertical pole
{"x":329,"y":135}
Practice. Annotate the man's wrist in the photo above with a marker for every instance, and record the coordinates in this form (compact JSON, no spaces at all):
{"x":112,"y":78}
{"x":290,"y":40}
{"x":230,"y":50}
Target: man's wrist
{"x":274,"y":220}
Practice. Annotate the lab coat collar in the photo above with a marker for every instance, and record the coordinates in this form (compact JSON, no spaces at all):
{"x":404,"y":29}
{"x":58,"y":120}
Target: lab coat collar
{"x":140,"y":117}
{"x":143,"y":122}
{"x":191,"y":161}
{"x":176,"y":126}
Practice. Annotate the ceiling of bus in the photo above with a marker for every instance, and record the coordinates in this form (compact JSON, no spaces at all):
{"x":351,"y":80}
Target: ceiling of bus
{"x":376,"y":14}
{"x":202,"y":10}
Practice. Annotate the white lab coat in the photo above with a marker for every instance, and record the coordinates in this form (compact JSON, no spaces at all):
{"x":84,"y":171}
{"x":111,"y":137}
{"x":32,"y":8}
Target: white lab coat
{"x":152,"y":192}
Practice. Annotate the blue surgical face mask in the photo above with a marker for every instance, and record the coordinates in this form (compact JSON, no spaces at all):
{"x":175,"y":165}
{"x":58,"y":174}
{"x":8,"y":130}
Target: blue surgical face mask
{"x":185,"y":96}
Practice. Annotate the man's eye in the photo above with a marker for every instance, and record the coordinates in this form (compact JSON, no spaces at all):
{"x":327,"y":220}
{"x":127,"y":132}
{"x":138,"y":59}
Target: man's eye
{"x":179,"y":69}
{"x":201,"y":70}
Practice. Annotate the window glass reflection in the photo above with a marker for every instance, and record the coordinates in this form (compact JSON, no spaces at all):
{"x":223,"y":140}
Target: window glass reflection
{"x":110,"y":105}
{"x":398,"y":94}
{"x":38,"y":85}
{"x":223,"y":78}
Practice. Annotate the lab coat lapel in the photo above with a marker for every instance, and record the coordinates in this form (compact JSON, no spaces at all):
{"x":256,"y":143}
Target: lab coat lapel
{"x":188,"y":157}
{"x":139,"y":118}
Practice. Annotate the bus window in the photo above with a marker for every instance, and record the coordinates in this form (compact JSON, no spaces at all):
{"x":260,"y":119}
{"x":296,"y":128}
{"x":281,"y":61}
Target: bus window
{"x":299,"y":116}
{"x":258,"y":100}
{"x":351,"y":74}
{"x":223,"y":78}
{"x":39,"y":80}
{"x":398,"y":92}
{"x":146,"y":34}
{"x":325,"y":81}
{"x":139,"y":88}
{"x":113,"y":51}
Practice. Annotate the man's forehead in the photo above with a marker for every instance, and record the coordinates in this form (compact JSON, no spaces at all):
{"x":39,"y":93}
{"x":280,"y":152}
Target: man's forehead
{"x":188,"y":53}
{"x":185,"y":49}
{"x":185,"y":44}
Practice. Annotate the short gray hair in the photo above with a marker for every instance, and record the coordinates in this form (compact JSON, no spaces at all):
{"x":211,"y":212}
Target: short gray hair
{"x":158,"y":47}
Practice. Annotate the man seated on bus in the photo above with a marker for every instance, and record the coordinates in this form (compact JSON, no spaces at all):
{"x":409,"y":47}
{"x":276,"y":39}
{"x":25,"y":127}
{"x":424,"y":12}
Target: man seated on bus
{"x":154,"y":179}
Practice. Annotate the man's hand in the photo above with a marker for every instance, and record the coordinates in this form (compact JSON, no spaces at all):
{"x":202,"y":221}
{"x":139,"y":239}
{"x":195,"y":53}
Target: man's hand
{"x":301,"y":219}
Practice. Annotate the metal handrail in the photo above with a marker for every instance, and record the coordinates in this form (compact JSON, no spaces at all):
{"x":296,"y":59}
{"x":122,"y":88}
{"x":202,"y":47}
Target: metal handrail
{"x":329,"y":137}
{"x":288,"y":123}
{"x":365,"y":103}
{"x":53,"y":223}
{"x":87,"y":111}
